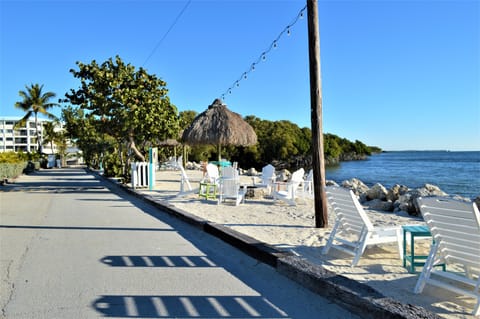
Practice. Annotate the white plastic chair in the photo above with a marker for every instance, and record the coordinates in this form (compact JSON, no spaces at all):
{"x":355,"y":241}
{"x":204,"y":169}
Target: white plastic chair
{"x":184,"y":181}
{"x":353,"y":230}
{"x":230,"y":187}
{"x":213,"y":174}
{"x":307,"y":187}
{"x":268,"y":177}
{"x":288,"y":191}
{"x":455,"y":228}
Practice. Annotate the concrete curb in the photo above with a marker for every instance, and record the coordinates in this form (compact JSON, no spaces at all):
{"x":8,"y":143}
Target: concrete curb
{"x":359,"y":298}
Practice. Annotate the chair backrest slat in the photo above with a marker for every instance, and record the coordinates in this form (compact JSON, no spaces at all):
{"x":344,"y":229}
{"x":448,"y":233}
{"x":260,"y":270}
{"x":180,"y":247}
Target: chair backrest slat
{"x":230,"y":172}
{"x":348,"y":209}
{"x":268,"y":174}
{"x":295,"y":181}
{"x":229,"y":186}
{"x":455,"y":226}
{"x":212,"y":172}
{"x":297,"y":176}
{"x":308,"y":186}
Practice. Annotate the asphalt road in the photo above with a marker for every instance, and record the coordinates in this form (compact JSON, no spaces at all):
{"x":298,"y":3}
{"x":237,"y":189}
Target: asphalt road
{"x":72,"y":248}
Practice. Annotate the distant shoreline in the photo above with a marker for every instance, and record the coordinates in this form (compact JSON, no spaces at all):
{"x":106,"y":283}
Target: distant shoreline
{"x":448,"y":151}
{"x":455,"y":173}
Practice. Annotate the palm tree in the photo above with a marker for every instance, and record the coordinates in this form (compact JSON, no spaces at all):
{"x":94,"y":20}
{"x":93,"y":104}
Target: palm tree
{"x":34,"y":101}
{"x":50,"y":136}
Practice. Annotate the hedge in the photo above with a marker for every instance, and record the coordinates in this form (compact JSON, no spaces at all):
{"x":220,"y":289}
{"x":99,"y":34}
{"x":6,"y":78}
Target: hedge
{"x":11,"y":170}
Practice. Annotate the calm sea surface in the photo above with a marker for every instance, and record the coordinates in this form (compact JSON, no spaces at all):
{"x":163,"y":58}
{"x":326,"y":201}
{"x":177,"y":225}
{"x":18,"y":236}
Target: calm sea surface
{"x":456,"y":173}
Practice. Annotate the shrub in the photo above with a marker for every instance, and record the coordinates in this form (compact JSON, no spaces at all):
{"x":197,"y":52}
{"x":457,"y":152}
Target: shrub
{"x":14,"y":164}
{"x":11,"y":170}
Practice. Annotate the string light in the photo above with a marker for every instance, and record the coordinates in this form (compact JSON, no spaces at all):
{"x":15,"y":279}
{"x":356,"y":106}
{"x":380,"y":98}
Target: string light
{"x":263,"y":56}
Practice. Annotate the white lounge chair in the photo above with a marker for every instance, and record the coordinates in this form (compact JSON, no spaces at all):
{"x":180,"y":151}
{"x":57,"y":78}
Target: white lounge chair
{"x":288,"y":191}
{"x":455,"y":228}
{"x":353,"y":231}
{"x":230,"y":187}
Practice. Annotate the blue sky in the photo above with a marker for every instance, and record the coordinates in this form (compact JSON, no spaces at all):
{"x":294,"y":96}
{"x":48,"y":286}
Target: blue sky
{"x":395,"y":74}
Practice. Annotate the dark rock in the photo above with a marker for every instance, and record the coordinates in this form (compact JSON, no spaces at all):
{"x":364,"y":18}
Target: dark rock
{"x":356,"y":185}
{"x":378,"y":191}
{"x":330,"y":183}
{"x":378,"y":204}
{"x":395,"y":192}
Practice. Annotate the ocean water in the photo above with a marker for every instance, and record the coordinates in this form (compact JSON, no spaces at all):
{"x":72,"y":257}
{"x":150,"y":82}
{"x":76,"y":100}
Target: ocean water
{"x":456,"y":173}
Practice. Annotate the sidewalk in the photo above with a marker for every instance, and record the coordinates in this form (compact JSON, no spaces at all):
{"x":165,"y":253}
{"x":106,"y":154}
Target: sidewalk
{"x":71,"y":246}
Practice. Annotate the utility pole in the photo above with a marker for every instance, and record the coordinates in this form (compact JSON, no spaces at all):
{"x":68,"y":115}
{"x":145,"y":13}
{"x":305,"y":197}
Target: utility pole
{"x":318,"y":162}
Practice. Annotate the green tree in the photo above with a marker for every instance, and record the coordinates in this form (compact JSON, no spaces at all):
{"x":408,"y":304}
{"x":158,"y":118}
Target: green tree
{"x":127,"y":104}
{"x":282,"y":142}
{"x":53,"y":136}
{"x":80,"y":128}
{"x":186,"y":118}
{"x":49,"y":133}
{"x":35,"y":101}
{"x":331,"y":148}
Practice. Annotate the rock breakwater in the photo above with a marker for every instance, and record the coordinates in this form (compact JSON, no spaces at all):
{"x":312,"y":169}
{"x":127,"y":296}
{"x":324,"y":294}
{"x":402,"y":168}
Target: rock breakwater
{"x":396,"y":198}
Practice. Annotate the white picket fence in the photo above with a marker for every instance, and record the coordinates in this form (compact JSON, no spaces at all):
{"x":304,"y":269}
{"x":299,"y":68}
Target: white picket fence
{"x":140,"y":174}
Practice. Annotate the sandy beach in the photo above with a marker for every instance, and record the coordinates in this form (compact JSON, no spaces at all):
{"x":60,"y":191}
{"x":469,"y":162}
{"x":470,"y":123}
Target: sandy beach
{"x":292,"y":228}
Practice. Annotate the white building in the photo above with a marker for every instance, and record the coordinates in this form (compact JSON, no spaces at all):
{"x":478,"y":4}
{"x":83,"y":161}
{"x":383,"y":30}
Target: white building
{"x":23,"y":139}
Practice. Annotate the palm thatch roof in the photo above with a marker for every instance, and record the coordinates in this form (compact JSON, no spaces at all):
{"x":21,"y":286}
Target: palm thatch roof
{"x":219,"y":126}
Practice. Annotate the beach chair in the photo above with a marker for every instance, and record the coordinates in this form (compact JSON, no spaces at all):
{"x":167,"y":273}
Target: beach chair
{"x":209,"y":185}
{"x":185,"y":186}
{"x":288,"y":191}
{"x":230,"y":187}
{"x":267,"y":178}
{"x":455,"y":228}
{"x":307,"y":186}
{"x":353,"y":230}
{"x":170,"y":164}
{"x":213,"y":174}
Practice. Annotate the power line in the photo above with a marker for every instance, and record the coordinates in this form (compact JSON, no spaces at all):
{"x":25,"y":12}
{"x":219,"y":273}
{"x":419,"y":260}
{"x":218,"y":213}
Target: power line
{"x":168,"y":31}
{"x":263,"y":55}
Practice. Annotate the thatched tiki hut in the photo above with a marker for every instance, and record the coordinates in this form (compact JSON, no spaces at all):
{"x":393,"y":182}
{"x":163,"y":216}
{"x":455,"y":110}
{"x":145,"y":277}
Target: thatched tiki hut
{"x":219,"y":126}
{"x":170,"y":142}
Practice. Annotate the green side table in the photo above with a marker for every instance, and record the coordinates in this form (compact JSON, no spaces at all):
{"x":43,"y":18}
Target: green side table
{"x":207,"y":190}
{"x":412,"y":259}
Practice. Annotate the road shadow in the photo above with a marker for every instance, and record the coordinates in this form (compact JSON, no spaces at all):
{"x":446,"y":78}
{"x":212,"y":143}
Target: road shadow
{"x":200,"y":307}
{"x":272,"y":298}
{"x":158,"y":261}
{"x":83,"y":228}
{"x":65,"y":180}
